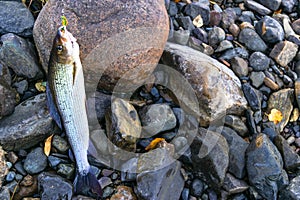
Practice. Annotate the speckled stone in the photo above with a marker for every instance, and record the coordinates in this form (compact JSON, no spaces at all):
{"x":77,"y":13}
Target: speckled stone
{"x":132,"y":38}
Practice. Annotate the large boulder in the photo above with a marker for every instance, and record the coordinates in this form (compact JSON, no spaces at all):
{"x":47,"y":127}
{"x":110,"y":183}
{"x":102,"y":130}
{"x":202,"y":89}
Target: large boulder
{"x":114,"y":36}
{"x":216,"y":87}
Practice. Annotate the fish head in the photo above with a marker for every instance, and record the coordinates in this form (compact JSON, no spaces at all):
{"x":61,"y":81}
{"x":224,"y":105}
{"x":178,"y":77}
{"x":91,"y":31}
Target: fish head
{"x":65,"y":48}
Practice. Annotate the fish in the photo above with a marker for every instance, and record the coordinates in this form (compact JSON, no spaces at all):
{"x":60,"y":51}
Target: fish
{"x":66,"y":99}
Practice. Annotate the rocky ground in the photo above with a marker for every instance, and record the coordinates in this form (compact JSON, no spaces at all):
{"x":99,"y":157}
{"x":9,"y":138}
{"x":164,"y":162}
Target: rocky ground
{"x":225,"y":127}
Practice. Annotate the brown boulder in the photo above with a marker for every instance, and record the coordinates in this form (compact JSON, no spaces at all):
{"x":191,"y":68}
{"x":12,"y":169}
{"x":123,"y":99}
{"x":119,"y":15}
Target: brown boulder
{"x":114,"y":36}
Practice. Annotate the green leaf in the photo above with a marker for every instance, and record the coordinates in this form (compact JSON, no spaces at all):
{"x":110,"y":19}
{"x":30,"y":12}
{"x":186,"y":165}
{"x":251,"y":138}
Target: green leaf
{"x":64,"y":21}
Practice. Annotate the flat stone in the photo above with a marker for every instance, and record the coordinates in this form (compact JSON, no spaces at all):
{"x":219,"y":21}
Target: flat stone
{"x":265,"y":172}
{"x":15,"y":18}
{"x":290,"y":158}
{"x":36,"y":161}
{"x":157,"y":118}
{"x":270,"y":30}
{"x":52,"y":186}
{"x":19,"y":55}
{"x":253,"y":96}
{"x":125,"y":127}
{"x":8,"y":97}
{"x":292,"y":191}
{"x":28,"y":125}
{"x":252,"y":40}
{"x":271,"y":4}
{"x":237,"y":124}
{"x":233,"y":185}
{"x":284,"y":52}
{"x":207,"y":78}
{"x":282,"y":100}
{"x":158,"y":172}
{"x":253,"y":5}
{"x":134,"y":38}
{"x":198,"y":8}
{"x":210,"y":157}
{"x":257,"y":78}
{"x":239,"y":66}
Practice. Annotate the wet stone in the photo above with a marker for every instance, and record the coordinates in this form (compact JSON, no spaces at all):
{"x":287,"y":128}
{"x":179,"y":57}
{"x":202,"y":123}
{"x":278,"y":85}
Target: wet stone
{"x":257,"y":79}
{"x":290,"y":158}
{"x":253,"y":5}
{"x":60,"y":144}
{"x":52,"y":186}
{"x":215,"y":36}
{"x":185,"y":194}
{"x":197,"y":187}
{"x":252,"y":40}
{"x":239,"y":66}
{"x":233,"y":185}
{"x":270,"y":30}
{"x":54,"y":161}
{"x":265,"y":172}
{"x":157,"y":118}
{"x":284,"y":52}
{"x":292,"y":191}
{"x":271,"y":84}
{"x":237,"y":148}
{"x":36,"y":161}
{"x":259,"y":61}
{"x":253,"y":96}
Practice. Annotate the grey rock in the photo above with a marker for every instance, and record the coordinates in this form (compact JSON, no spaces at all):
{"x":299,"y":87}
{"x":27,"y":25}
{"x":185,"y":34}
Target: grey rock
{"x":296,"y":26}
{"x":270,"y":132}
{"x":13,"y":186}
{"x":185,"y":22}
{"x":4,"y":193}
{"x":288,"y":5}
{"x":125,"y":127}
{"x":19,"y":55}
{"x":233,"y":185}
{"x":265,"y":172}
{"x":10,"y":176}
{"x":108,"y":191}
{"x":52,"y":186}
{"x":206,"y":77}
{"x":257,"y":79}
{"x":197,"y":187}
{"x":181,"y":36}
{"x":8,"y":99}
{"x":36,"y":161}
{"x":210,"y":156}
{"x":292,"y":191}
{"x":259,"y":61}
{"x":22,"y":130}
{"x":172,"y":9}
{"x":237,"y":148}
{"x":157,"y":118}
{"x":224,"y":45}
{"x":55,"y":161}
{"x":253,"y":5}
{"x":215,"y":17}
{"x":20,"y":169}
{"x":252,"y":40}
{"x":5,"y":74}
{"x":200,"y":34}
{"x":228,"y":17}
{"x":239,"y":66}
{"x":290,"y":158}
{"x":105,"y":181}
{"x":21,"y":86}
{"x":237,"y":124}
{"x":215,"y":36}
{"x":253,"y":96}
{"x":270,"y":30}
{"x":158,"y":172}
{"x":284,"y":52}
{"x":60,"y":144}
{"x":15,"y":18}
{"x":282,"y":100}
{"x":198,"y":8}
{"x":271,"y":4}
{"x":236,"y":52}
{"x":66,"y":170}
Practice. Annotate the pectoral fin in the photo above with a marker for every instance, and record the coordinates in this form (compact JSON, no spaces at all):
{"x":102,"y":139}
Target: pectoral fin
{"x":52,"y":107}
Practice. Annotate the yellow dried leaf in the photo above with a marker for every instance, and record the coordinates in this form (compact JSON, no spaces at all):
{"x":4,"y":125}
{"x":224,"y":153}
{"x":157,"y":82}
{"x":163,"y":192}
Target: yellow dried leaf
{"x":153,"y":143}
{"x":64,"y":21}
{"x":47,"y":147}
{"x":264,"y":28}
{"x":275,"y":116}
{"x":40,"y":87}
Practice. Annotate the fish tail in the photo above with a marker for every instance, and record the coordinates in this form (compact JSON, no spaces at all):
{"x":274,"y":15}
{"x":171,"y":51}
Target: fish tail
{"x":87,"y":185}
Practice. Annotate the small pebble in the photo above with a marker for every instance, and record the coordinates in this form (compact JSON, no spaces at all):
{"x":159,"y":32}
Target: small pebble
{"x":12,"y":157}
{"x":291,"y":140}
{"x":10,"y":176}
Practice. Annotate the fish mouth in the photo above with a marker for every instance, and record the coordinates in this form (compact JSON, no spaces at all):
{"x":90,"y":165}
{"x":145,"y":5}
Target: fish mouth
{"x":62,"y":34}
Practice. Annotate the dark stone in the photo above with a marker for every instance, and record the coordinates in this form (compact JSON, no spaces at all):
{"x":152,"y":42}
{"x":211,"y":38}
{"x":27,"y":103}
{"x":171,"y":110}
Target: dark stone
{"x":253,"y":96}
{"x":10,"y":176}
{"x":19,"y":55}
{"x":21,"y":86}
{"x":237,"y":124}
{"x":4,"y":193}
{"x":52,"y":186}
{"x":233,"y":185}
{"x":15,"y":18}
{"x":20,"y":169}
{"x":66,"y":170}
{"x":5,"y":74}
{"x":250,"y":122}
{"x":210,"y":156}
{"x":200,"y":34}
{"x":252,"y":40}
{"x":185,"y":22}
{"x":270,"y":30}
{"x":259,"y":61}
{"x":172,"y":9}
{"x":36,"y":161}
{"x":292,"y":191}
{"x":296,"y":26}
{"x":290,"y":158}
{"x":237,"y":148}
{"x":253,"y":5}
{"x":228,"y":17}
{"x":271,"y":4}
{"x":270,"y":132}
{"x":288,"y":5}
{"x":215,"y":36}
{"x":8,"y":99}
{"x":236,"y":52}
{"x":22,"y":130}
{"x":265,"y":172}
{"x":60,"y":144}
{"x":197,"y":187}
{"x":185,"y":194}
{"x":198,"y":8}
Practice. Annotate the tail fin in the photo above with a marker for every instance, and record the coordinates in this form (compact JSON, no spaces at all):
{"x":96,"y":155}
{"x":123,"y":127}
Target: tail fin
{"x":87,"y":185}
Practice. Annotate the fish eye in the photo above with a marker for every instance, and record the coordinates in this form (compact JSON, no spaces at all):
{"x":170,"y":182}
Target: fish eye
{"x":59,"y":48}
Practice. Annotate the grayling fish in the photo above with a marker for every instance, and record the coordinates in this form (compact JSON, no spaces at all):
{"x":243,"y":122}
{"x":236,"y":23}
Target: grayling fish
{"x":66,"y":102}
